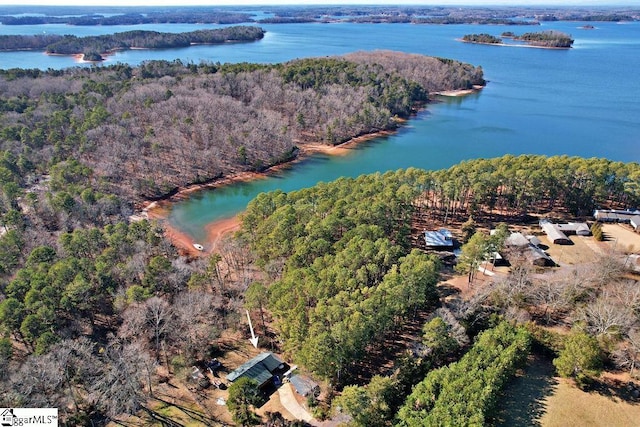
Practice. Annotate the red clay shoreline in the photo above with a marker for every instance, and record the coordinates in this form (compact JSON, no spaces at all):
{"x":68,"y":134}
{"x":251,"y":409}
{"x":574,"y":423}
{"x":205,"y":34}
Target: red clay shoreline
{"x":158,"y":210}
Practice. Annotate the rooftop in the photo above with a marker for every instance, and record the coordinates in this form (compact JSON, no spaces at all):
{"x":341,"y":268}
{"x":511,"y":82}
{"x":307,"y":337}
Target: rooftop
{"x":442,"y":237}
{"x":260,"y":368}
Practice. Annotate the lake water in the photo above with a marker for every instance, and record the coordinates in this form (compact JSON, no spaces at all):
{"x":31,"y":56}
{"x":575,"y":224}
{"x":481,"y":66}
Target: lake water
{"x":582,"y":101}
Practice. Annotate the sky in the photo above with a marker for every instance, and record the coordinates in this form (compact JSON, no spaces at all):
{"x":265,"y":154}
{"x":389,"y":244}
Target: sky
{"x":634,"y":3}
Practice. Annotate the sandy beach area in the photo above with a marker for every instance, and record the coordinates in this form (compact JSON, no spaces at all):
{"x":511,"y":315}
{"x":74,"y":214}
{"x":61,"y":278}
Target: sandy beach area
{"x":459,"y":92}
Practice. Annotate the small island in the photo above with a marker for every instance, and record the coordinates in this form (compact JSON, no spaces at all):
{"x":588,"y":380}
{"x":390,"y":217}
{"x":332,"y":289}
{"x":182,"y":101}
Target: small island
{"x":544,"y":39}
{"x":93,"y":48}
{"x":482,"y":38}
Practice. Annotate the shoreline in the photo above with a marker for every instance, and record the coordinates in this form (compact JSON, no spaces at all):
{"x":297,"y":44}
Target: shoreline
{"x":305,"y":150}
{"x":158,"y":210}
{"x":459,"y":92}
{"x":516,"y":45}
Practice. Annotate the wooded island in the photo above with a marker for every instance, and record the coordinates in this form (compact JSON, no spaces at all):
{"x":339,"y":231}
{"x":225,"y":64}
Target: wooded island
{"x":93,"y":47}
{"x":548,"y":39}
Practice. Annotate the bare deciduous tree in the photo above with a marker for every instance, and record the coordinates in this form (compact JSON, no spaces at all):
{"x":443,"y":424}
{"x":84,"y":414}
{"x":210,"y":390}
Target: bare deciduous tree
{"x":152,"y":320}
{"x":126,"y":379}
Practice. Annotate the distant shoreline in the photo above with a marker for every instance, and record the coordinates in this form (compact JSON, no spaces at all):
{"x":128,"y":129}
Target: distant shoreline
{"x":515,"y":45}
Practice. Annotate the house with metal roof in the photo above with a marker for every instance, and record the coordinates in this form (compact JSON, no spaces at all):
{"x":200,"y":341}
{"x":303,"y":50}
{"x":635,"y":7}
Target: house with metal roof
{"x":261,"y":369}
{"x":438,"y":239}
{"x":614,"y":215}
{"x":525,"y":245}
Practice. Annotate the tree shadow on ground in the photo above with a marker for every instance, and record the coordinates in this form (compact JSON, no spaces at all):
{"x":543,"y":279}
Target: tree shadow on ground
{"x":445,"y":290}
{"x":194,"y":415}
{"x":523,"y":400}
{"x":614,"y":389}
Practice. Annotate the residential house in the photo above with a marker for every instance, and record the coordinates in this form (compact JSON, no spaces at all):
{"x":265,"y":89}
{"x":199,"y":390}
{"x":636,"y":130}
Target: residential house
{"x":262,"y":369}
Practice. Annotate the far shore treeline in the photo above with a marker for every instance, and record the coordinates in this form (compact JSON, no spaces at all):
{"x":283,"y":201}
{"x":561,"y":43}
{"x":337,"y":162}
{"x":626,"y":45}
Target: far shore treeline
{"x":94,"y":46}
{"x":439,"y":15}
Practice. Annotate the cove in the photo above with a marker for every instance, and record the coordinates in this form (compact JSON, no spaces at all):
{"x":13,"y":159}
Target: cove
{"x":576,"y":102}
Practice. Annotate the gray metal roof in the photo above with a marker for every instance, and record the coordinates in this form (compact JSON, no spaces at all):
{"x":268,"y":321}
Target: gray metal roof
{"x":554,"y":234}
{"x":260,"y":368}
{"x":303,"y":385}
{"x":614,"y":215}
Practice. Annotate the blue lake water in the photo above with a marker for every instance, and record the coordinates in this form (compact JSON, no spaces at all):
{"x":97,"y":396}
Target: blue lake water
{"x":584,"y":101}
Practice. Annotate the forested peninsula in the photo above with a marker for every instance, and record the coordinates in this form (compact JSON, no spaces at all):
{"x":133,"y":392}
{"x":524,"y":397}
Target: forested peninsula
{"x":143,"y":132}
{"x":93,"y":47}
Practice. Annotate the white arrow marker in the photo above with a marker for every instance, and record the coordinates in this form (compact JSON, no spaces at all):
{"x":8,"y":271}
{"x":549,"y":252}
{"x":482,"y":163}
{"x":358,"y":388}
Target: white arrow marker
{"x":254,"y":338}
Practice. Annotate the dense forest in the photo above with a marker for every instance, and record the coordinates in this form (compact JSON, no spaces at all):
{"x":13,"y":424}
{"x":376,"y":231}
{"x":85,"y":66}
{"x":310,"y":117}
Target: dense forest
{"x":334,"y":251}
{"x":69,"y":45}
{"x":349,"y":275}
{"x":87,"y":296}
{"x":339,"y":275}
{"x":145,"y":131}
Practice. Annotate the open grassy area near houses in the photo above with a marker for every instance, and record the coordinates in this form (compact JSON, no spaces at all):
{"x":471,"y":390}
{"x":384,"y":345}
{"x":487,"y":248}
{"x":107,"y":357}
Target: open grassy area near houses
{"x":622,"y":237}
{"x":570,"y":406}
{"x":538,"y":398}
{"x":584,"y":250}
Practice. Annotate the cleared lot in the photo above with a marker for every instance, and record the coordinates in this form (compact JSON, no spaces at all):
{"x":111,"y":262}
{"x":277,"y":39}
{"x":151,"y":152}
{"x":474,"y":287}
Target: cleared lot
{"x":622,"y":238}
{"x":584,"y":250}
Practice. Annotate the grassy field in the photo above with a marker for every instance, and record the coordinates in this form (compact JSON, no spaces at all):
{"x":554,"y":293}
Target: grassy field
{"x":537,"y":398}
{"x":622,"y":238}
{"x":569,"y":406}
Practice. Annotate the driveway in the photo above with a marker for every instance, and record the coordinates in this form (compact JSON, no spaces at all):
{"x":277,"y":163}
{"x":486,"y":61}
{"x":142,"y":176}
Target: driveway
{"x":289,"y":401}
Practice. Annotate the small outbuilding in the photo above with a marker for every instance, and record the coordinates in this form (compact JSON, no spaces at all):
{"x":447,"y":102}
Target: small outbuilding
{"x":305,"y":386}
{"x":635,"y":222}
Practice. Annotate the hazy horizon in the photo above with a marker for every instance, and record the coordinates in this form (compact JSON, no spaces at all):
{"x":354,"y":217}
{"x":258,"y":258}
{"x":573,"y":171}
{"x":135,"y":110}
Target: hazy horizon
{"x":133,"y":3}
